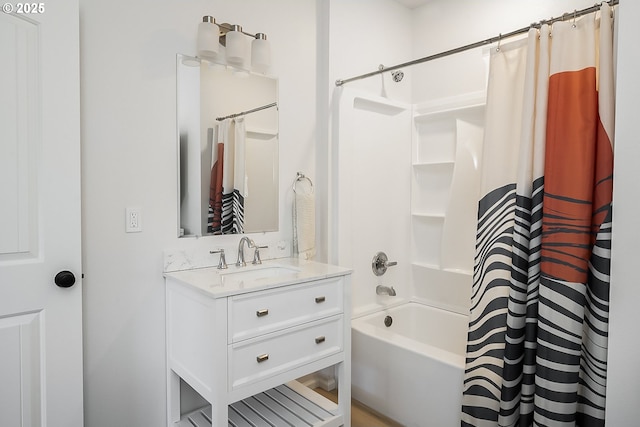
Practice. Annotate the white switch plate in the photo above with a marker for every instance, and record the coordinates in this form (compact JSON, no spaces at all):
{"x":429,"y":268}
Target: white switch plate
{"x":133,"y":220}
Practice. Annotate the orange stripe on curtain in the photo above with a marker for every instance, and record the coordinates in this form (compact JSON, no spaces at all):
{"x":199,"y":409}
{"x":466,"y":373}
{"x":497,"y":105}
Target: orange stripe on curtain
{"x":215,"y":189}
{"x":572,"y":122}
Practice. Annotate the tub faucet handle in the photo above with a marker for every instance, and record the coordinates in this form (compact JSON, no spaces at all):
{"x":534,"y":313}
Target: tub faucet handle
{"x":380,"y":263}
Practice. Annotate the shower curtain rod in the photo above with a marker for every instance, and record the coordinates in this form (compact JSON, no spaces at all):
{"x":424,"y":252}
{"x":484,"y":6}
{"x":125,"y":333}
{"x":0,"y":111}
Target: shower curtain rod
{"x":242,"y":113}
{"x":498,"y":38}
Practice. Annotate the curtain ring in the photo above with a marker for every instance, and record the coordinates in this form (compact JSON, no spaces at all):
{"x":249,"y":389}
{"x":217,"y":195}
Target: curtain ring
{"x":574,"y":18}
{"x":499,"y":41}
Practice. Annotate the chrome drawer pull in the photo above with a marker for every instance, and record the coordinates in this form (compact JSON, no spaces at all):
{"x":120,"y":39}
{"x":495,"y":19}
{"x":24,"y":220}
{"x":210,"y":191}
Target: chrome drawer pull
{"x":262,"y":358}
{"x":319,"y":300}
{"x":262,"y":312}
{"x":320,"y":339}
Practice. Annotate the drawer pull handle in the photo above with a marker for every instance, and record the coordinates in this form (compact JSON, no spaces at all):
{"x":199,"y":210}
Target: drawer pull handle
{"x":262,"y":312}
{"x":320,"y":339}
{"x":262,"y":358}
{"x":319,"y":300}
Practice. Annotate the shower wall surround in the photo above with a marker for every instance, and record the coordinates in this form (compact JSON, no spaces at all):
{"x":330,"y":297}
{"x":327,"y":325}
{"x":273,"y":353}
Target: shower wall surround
{"x":446,"y":160}
{"x":373,"y":189}
{"x":415,"y":196}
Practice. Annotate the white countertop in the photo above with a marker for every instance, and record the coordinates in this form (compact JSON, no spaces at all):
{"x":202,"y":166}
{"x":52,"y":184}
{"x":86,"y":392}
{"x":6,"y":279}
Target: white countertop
{"x":270,"y":274}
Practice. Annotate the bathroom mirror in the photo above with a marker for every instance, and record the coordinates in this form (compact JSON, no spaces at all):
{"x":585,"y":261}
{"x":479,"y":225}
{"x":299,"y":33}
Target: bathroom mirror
{"x":227,"y":125}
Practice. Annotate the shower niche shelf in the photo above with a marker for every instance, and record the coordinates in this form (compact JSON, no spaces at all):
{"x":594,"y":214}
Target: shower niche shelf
{"x":446,"y":152}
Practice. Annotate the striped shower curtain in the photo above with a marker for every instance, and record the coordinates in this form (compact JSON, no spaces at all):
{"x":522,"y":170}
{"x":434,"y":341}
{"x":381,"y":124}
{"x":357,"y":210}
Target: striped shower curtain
{"x":228,"y":186}
{"x":537,"y":342}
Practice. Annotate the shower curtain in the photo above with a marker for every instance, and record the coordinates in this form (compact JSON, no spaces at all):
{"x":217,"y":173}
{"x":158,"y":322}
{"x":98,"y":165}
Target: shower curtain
{"x":228,"y":187}
{"x":537,"y":342}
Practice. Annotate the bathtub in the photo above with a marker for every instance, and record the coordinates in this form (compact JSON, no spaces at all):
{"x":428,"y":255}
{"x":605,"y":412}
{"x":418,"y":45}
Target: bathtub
{"x":411,"y":371}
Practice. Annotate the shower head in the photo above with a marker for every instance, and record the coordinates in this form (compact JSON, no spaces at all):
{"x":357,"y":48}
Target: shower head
{"x":397,"y":75}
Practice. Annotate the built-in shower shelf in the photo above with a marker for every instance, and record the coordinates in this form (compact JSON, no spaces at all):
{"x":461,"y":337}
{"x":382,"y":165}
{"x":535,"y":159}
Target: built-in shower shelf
{"x":425,"y":265}
{"x":291,"y":404}
{"x":435,"y":215}
{"x":427,"y":164}
{"x":458,"y":271}
{"x":261,"y":133}
{"x":442,"y":270}
{"x":448,"y":113}
{"x":451,"y":105}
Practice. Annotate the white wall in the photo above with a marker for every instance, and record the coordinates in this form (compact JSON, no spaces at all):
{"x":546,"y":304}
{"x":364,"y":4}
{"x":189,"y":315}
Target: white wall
{"x":129,"y":159}
{"x":365,"y":34}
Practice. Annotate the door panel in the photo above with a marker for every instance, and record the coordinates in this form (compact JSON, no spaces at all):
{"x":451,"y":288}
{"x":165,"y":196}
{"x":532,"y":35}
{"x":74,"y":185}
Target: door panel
{"x":19,"y":133}
{"x":40,"y":323}
{"x":20,"y":349}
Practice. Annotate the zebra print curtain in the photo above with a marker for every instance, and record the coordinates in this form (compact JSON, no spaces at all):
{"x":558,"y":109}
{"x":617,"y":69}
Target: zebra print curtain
{"x":537,"y":343}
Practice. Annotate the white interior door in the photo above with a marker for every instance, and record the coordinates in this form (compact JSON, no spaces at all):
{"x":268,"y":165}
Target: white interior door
{"x":40,"y":322}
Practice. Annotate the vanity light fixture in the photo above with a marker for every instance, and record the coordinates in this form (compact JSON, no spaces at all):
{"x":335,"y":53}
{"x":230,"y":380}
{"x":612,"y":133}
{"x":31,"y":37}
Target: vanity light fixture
{"x":260,"y":53}
{"x":225,"y":44}
{"x":208,"y":38}
{"x":236,"y":46}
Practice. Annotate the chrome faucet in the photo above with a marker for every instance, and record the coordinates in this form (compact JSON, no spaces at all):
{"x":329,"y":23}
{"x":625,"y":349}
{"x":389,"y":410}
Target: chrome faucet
{"x":385,"y":290}
{"x":240,"y":262}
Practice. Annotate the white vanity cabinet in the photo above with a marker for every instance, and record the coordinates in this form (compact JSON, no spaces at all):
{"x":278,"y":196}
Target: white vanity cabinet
{"x":240,"y":338}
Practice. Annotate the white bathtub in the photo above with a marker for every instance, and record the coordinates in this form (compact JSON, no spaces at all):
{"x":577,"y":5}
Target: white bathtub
{"x":413,"y":370}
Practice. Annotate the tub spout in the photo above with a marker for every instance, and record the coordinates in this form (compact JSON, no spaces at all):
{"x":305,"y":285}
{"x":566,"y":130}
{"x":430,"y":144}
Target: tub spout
{"x":385,"y":290}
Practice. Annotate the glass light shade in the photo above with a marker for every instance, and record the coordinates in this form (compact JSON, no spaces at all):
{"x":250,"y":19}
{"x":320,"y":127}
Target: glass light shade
{"x":260,"y":54}
{"x":236,"y":46}
{"x":208,"y":38}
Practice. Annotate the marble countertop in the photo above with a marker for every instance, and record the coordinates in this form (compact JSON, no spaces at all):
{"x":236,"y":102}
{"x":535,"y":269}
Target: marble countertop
{"x":270,"y":274}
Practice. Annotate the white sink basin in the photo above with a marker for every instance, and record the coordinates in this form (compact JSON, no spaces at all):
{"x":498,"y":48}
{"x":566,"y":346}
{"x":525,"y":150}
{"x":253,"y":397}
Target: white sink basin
{"x":261,"y":272}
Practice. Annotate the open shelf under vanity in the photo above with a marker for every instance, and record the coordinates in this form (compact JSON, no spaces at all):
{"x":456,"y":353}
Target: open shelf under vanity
{"x":292,"y":404}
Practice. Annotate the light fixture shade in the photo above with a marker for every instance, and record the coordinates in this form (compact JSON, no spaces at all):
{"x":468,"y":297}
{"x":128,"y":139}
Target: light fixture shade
{"x":208,"y":38}
{"x":236,"y":46}
{"x":260,"y":54}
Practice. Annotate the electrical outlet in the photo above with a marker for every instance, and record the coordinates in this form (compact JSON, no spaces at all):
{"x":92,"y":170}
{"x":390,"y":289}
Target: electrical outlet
{"x":133,"y":220}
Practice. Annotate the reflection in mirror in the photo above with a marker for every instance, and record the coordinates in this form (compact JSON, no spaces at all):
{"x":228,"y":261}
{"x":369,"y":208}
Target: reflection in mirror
{"x":227,"y":150}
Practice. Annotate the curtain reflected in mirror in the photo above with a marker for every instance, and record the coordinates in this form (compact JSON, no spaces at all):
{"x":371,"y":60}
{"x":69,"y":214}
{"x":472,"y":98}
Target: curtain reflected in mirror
{"x":227,"y":150}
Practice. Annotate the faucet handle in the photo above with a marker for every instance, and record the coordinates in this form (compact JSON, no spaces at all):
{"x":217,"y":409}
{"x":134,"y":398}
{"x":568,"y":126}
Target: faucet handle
{"x":222,"y":264}
{"x":380,"y":263}
{"x":256,"y":254}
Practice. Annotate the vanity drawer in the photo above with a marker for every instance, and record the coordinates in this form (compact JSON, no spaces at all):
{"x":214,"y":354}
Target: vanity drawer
{"x":260,"y":358}
{"x":258,"y":313}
